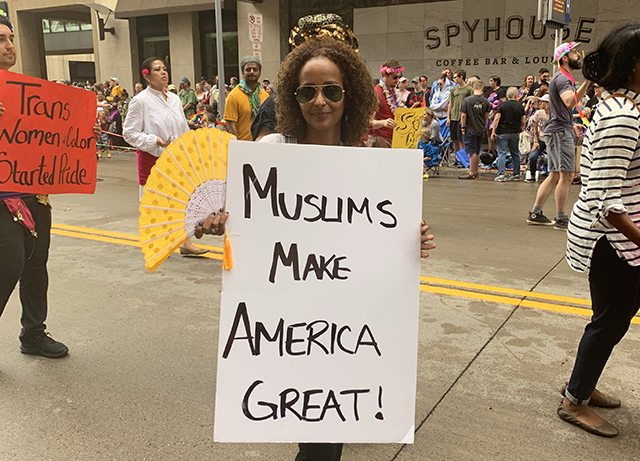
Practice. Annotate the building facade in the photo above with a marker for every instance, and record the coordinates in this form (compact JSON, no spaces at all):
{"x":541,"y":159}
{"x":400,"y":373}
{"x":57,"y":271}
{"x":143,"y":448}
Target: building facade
{"x":485,"y":38}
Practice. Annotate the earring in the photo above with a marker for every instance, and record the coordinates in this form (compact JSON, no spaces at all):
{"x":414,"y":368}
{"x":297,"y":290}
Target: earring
{"x":346,"y":117}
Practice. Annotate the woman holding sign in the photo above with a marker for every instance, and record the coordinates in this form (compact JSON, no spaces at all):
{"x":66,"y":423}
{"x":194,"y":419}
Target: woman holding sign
{"x":324,"y":97}
{"x":154,"y":120}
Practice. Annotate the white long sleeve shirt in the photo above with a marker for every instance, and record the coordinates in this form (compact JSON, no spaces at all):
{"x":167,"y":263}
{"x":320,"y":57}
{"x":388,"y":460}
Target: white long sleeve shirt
{"x":151,"y":117}
{"x":610,"y":172}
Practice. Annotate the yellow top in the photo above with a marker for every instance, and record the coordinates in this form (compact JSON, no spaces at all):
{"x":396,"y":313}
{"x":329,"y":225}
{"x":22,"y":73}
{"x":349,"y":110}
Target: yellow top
{"x":115,"y":91}
{"x":237,"y":109}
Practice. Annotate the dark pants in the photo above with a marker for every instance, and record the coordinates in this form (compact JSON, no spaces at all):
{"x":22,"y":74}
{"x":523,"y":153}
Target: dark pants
{"x":24,"y":258}
{"x":319,"y":452}
{"x":533,"y":158}
{"x":615,"y":296}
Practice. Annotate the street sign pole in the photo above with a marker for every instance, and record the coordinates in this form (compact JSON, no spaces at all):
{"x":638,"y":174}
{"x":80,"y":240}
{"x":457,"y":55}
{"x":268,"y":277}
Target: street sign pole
{"x":220,"y":51}
{"x":555,"y":14}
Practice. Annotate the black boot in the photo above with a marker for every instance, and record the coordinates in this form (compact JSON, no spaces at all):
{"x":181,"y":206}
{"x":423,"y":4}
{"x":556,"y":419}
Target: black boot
{"x":43,"y":344}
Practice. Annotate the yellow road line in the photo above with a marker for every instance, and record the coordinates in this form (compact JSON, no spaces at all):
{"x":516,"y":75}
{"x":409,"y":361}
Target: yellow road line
{"x":118,"y":235}
{"x":512,"y":301}
{"x":507,"y":291}
{"x":132,"y":240}
{"x":86,"y":230}
{"x":101,"y":238}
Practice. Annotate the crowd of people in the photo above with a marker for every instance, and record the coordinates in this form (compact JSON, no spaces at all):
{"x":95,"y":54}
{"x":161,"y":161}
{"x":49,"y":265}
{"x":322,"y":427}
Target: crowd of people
{"x":324,"y":96}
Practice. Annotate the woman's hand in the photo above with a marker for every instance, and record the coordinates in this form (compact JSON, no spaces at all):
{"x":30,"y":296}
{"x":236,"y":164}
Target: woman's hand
{"x":424,"y":240}
{"x":214,"y":224}
{"x":161,"y":143}
{"x":535,"y":146}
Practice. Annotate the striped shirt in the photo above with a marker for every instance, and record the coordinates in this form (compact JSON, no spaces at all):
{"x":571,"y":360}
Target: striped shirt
{"x":610,"y":171}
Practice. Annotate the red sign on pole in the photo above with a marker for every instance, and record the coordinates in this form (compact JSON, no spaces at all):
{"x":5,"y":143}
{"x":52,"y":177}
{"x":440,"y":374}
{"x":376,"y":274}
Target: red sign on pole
{"x":47,"y":143}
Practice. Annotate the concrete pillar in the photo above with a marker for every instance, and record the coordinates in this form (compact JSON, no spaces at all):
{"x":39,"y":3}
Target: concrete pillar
{"x":113,"y":54}
{"x":184,"y":42}
{"x":270,"y":11}
{"x":31,"y":59}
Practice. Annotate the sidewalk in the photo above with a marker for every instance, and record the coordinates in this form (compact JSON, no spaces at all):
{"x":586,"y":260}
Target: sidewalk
{"x":139,"y":382}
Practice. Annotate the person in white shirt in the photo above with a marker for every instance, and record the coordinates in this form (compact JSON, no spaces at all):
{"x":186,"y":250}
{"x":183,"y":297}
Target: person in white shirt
{"x":155,"y":119}
{"x":603,"y":232}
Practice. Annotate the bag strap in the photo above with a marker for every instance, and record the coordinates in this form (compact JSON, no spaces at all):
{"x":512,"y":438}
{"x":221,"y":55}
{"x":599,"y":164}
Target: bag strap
{"x":620,"y":95}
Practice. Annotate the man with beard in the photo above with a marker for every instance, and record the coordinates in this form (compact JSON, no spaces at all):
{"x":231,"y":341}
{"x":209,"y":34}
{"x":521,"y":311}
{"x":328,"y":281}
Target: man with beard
{"x":559,"y":137}
{"x":543,"y":79}
{"x":245,"y":99}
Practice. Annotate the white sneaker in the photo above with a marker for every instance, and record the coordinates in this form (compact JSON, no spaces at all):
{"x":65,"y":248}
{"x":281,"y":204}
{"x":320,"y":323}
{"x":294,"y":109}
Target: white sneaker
{"x":499,"y":178}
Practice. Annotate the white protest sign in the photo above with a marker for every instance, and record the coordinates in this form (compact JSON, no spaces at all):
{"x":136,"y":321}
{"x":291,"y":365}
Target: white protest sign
{"x":319,"y":317}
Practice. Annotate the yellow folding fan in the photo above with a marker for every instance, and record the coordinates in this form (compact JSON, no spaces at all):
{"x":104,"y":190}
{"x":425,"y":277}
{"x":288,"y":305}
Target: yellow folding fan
{"x":185,"y":186}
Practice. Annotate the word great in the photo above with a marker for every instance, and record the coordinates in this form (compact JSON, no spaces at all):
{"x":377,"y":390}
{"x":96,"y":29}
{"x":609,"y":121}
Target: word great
{"x":301,"y":338}
{"x":289,"y":402}
{"x":311,"y":207}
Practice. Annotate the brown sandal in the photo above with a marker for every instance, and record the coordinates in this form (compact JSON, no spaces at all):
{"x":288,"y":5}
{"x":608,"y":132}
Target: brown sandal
{"x":468,"y":176}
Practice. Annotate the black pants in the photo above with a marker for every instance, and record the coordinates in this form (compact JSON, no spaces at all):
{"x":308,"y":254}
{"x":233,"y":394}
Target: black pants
{"x":319,"y":452}
{"x":24,"y":258}
{"x":615,"y":296}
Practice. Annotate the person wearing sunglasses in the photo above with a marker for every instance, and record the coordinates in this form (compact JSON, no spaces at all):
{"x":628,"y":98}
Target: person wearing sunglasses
{"x":324,"y":97}
{"x":390,"y":99}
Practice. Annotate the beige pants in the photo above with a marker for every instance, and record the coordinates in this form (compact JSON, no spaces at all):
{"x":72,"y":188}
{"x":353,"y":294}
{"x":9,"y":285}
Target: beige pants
{"x":379,"y":141}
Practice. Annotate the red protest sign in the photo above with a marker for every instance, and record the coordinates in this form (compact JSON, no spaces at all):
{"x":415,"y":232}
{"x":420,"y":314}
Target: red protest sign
{"x":47,"y":143}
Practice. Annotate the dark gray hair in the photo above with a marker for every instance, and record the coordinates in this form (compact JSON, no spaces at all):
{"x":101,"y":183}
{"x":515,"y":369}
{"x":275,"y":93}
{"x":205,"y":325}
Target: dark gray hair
{"x":249,"y":59}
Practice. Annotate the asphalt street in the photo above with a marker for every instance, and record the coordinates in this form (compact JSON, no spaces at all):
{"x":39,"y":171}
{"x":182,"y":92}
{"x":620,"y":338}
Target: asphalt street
{"x":501,"y":315}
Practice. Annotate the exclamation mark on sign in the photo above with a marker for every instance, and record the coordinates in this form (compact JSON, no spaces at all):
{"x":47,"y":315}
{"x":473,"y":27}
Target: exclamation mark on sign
{"x":379,"y":415}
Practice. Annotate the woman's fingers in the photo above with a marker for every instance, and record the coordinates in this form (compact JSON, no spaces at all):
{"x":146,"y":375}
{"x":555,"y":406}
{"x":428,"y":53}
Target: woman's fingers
{"x":199,"y":231}
{"x":426,"y":246}
{"x":424,"y":239}
{"x":223,"y":222}
{"x":209,"y":223}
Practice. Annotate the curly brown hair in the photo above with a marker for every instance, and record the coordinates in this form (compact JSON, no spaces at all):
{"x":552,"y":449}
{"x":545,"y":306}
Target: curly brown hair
{"x":360,"y":99}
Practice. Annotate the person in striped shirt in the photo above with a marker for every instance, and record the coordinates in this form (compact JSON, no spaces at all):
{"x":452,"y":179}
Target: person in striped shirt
{"x":603,"y":232}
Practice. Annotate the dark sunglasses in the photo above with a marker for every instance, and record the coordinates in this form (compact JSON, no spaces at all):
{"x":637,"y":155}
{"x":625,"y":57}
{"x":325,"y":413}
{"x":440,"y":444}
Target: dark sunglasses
{"x":307,"y":93}
{"x":396,"y":77}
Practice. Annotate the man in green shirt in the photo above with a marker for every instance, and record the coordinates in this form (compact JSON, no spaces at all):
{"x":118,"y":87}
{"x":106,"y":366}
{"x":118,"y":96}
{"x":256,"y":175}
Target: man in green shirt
{"x":187,"y":97}
{"x":458,"y":93}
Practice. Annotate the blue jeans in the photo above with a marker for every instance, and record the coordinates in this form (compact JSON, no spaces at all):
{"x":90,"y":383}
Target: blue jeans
{"x":533,"y":157}
{"x":508,"y":142}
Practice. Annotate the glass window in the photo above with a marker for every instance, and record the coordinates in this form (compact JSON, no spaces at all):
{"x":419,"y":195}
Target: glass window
{"x":57,"y":26}
{"x":46,"y":26}
{"x":86,"y":26}
{"x":153,"y":39}
{"x":72,"y":27}
{"x":208,"y":44}
{"x":230,"y":46}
